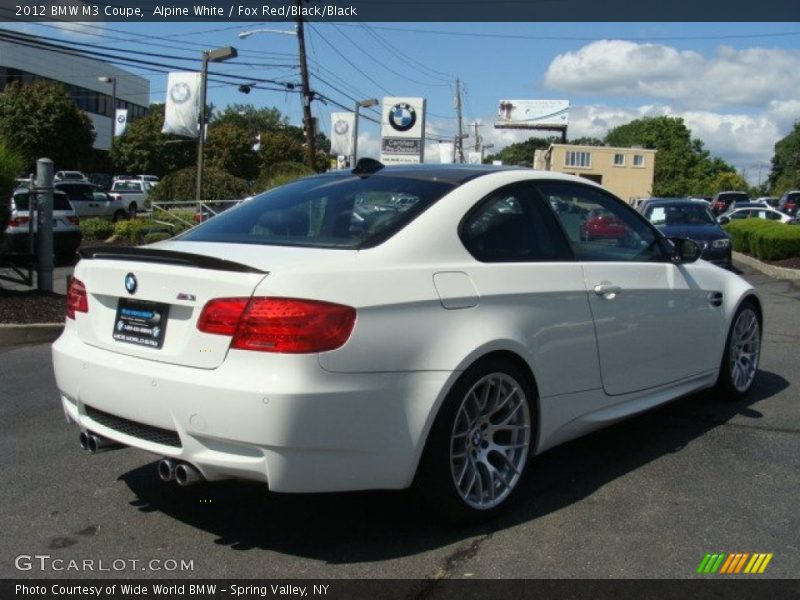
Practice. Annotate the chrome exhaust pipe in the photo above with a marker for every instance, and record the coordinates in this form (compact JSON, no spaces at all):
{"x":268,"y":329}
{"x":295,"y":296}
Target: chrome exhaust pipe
{"x":84,"y":440}
{"x":186,"y":474}
{"x":166,"y":470}
{"x":97,"y":443}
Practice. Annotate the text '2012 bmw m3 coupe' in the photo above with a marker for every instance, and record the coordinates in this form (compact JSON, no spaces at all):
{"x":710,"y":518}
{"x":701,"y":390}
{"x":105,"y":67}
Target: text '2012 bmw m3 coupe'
{"x":434,"y":325}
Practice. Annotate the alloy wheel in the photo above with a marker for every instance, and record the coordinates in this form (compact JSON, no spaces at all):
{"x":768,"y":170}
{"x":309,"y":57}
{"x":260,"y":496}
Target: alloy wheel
{"x":490,"y":441}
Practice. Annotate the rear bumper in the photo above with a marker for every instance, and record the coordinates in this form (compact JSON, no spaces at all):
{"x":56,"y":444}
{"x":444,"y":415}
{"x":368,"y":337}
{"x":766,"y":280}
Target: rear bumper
{"x":280,"y":419}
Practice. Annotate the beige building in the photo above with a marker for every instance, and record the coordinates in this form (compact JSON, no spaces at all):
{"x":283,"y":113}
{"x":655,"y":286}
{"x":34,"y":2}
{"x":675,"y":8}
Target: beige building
{"x":627,"y":172}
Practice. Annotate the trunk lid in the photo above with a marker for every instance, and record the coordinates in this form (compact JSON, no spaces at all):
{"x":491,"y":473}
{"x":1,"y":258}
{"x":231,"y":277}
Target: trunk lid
{"x":173,"y":282}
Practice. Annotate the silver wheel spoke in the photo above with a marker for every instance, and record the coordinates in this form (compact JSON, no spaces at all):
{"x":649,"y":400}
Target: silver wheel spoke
{"x":490,"y":441}
{"x":745,"y":348}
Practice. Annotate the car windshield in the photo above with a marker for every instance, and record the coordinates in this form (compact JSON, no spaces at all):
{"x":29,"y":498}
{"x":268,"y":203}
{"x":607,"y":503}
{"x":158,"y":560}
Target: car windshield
{"x":127,"y":186}
{"x":326,"y":212}
{"x":679,"y":214}
{"x":60,"y":201}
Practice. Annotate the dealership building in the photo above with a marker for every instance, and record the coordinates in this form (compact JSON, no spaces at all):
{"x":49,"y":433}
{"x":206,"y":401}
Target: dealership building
{"x":627,"y":172}
{"x":88,"y":81}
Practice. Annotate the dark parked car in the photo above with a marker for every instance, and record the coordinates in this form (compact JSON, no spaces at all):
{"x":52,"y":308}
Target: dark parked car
{"x":723,"y":200}
{"x":692,"y":219}
{"x":789,"y":203}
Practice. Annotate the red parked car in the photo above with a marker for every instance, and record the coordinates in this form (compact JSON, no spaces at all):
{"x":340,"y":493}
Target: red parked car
{"x":723,"y":201}
{"x":601,"y":224}
{"x":789,"y":203}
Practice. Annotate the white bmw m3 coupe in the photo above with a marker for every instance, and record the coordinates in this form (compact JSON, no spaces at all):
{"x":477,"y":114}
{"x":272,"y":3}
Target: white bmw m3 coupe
{"x":434,"y":325}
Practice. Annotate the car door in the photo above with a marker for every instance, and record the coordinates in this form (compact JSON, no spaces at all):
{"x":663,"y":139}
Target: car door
{"x":530,"y":286}
{"x":655,"y":324}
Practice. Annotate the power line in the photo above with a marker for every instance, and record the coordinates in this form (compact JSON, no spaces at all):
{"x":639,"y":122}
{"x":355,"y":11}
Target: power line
{"x":394,"y":49}
{"x":384,"y":65}
{"x":515,"y":36}
{"x":348,"y":61}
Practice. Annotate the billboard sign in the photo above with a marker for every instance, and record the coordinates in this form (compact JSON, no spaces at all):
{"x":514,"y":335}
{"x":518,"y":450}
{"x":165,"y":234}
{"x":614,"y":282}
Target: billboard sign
{"x":532,"y":114}
{"x":402,"y":130}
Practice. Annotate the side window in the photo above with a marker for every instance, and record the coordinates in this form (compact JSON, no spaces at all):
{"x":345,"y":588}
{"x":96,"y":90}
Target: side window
{"x":599,"y":226}
{"x":512,"y":225}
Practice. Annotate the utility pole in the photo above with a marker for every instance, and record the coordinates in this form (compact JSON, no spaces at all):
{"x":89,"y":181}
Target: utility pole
{"x":460,"y":139}
{"x":308,"y":123}
{"x":478,"y":138}
{"x":201,"y":136}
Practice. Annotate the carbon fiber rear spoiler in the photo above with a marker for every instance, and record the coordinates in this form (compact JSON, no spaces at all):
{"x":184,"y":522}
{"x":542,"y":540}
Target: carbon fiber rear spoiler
{"x":167,"y":257}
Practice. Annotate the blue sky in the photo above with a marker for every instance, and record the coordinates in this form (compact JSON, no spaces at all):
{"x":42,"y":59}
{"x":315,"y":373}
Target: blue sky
{"x":735,"y":84}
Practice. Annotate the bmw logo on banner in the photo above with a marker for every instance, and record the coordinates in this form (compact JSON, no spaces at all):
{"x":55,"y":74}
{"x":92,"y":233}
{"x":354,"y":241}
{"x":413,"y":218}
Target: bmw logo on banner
{"x":403,"y":130}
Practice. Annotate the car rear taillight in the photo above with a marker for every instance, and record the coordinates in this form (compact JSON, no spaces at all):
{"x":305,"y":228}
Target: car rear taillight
{"x":74,"y":220}
{"x":285,"y":325}
{"x":77,"y":300}
{"x":18,"y":221}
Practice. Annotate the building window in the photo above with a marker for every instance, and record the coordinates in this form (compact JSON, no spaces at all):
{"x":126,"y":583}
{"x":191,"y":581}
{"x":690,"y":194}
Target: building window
{"x":578,"y":159}
{"x":619,"y":160}
{"x":638,"y":160}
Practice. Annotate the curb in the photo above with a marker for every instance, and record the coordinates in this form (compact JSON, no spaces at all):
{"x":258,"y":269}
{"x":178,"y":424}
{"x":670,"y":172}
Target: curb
{"x":766,"y":269}
{"x":30,"y":333}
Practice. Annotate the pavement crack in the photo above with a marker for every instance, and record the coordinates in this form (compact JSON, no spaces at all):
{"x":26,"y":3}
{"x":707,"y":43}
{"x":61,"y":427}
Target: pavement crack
{"x":451,"y":561}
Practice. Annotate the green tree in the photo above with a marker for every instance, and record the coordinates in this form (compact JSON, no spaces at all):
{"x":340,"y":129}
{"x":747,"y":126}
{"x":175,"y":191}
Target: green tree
{"x":217,"y":185}
{"x":280,"y":174}
{"x":144,"y":149}
{"x":277,"y":147}
{"x":41,"y":120}
{"x":586,"y":141}
{"x":521,"y":153}
{"x":230,"y":148}
{"x":252,"y":118}
{"x":726,"y":181}
{"x":683,"y":166}
{"x":785,"y":173}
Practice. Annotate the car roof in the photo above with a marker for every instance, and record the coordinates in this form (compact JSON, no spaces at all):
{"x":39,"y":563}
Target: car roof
{"x":675,"y":202}
{"x":448,"y":173}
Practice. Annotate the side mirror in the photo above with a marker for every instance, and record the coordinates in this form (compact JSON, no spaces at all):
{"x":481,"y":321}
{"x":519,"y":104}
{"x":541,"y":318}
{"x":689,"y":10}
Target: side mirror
{"x":686,"y":251}
{"x":723,"y":220}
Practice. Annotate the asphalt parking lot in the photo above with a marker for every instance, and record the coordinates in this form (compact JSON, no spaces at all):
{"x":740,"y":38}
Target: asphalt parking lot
{"x":647,"y":498}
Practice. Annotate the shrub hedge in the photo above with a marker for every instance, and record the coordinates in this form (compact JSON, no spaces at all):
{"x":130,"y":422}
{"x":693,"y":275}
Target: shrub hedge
{"x":96,"y":229}
{"x":766,"y":240}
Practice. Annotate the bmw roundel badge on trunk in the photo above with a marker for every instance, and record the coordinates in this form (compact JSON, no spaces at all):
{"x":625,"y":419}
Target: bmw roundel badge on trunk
{"x":130,"y":283}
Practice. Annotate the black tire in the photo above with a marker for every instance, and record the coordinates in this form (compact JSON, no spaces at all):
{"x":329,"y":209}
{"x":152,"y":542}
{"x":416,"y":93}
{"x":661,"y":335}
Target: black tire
{"x":436,"y":483}
{"x":730,"y":385}
{"x":132,"y":209}
{"x":119,"y":216}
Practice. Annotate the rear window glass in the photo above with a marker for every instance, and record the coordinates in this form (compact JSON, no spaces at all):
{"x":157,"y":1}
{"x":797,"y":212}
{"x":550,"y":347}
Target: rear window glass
{"x":327,"y":212}
{"x":60,"y":201}
{"x":733,"y":197}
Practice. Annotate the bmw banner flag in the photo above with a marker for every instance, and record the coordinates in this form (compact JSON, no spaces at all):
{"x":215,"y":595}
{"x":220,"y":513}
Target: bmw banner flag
{"x":342,"y":128}
{"x":120,"y":121}
{"x":183,"y":104}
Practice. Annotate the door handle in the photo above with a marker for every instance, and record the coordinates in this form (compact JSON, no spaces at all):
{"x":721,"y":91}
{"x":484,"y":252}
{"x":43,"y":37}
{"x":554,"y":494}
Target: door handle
{"x":715,"y":298}
{"x":608,"y":290}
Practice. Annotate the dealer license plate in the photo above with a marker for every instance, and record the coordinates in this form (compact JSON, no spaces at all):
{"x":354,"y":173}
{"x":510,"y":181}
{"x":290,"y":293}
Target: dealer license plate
{"x":140,"y":322}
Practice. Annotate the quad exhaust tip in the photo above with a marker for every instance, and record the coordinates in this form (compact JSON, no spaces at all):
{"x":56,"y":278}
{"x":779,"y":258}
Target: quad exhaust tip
{"x":166,"y":470}
{"x":93,"y":443}
{"x":186,"y":474}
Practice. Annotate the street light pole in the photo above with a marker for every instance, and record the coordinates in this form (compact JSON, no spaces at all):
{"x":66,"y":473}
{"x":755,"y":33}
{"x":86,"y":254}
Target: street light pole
{"x":359,"y":106}
{"x":113,"y":82}
{"x":201,"y":135}
{"x":217,"y":55}
{"x":308,"y":122}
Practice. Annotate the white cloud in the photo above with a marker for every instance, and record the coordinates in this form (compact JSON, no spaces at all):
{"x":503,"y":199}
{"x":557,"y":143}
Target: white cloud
{"x":743,"y":140}
{"x":746,"y":77}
